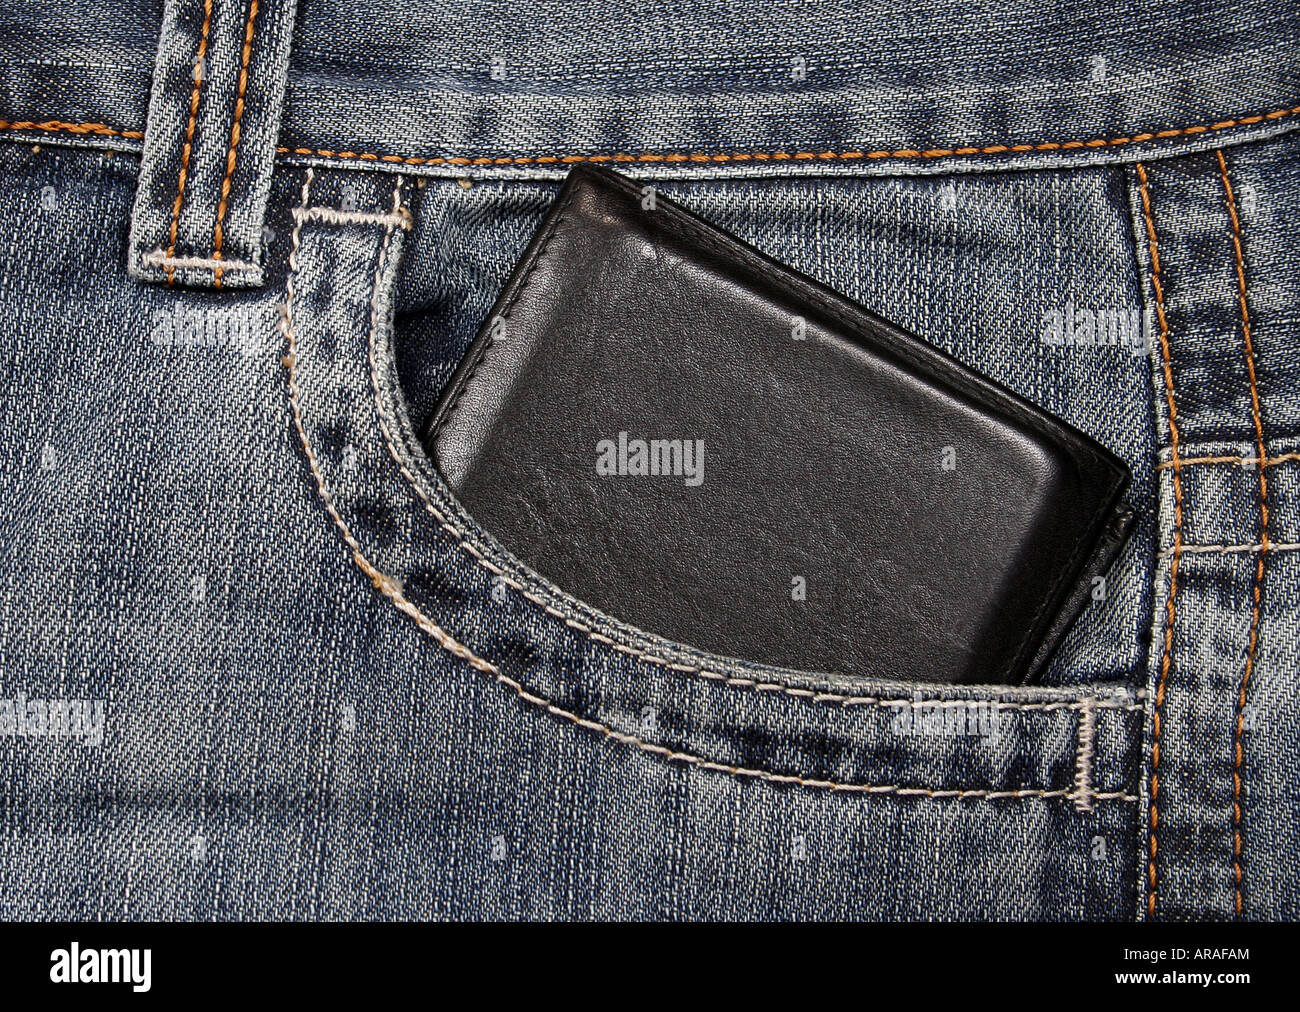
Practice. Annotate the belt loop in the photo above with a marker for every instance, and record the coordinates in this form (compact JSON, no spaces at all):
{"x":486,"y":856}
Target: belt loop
{"x":209,"y":144}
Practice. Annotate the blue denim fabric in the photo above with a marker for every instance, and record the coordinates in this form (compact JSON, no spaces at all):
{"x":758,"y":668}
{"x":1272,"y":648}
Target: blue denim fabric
{"x":214,"y":114}
{"x":329,"y":693}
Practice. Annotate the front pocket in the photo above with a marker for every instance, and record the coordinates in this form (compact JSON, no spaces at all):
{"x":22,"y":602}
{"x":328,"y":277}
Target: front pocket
{"x":1073,"y":747}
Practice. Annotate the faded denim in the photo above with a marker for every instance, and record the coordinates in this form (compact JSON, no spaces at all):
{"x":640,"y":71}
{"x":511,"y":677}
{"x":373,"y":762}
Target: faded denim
{"x":329,"y":693}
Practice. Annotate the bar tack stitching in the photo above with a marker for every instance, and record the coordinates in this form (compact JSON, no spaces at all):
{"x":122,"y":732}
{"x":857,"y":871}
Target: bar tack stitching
{"x":1272,"y":546}
{"x":159,"y":258}
{"x":1240,"y":461}
{"x":390,"y":589}
{"x":219,"y":233}
{"x":1248,"y":349}
{"x":1085,"y":756}
{"x":399,"y":218}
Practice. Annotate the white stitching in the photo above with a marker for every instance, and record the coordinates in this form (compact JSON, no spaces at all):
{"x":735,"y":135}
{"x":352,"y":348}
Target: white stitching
{"x":390,"y":589}
{"x":1240,"y":461}
{"x":159,"y":258}
{"x":400,"y":218}
{"x":1084,"y":757}
{"x":1273,"y":546}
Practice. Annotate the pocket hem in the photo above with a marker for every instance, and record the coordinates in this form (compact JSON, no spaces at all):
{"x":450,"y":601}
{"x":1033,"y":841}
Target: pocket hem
{"x":1054,"y":703}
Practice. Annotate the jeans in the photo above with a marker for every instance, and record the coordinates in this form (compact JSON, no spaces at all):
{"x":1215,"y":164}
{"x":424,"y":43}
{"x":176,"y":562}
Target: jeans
{"x":257,"y":662}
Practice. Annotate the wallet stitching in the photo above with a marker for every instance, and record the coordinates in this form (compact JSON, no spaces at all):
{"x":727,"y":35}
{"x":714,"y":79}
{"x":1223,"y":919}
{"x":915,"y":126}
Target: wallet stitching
{"x":464,"y":542}
{"x":490,"y":338}
{"x":800,"y":289}
{"x":387,"y":586}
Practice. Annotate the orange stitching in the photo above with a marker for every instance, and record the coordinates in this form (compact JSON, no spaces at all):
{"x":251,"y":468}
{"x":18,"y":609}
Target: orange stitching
{"x":218,"y":233}
{"x":1166,"y":659}
{"x":677,"y":157}
{"x":189,"y":137}
{"x":1268,"y":461}
{"x":1257,"y":586}
{"x":98,"y":129}
{"x":387,"y":586}
{"x":1101,"y":142}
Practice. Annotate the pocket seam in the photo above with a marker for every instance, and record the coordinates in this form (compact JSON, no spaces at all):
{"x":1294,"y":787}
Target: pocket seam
{"x":464,"y":542}
{"x":390,"y":589}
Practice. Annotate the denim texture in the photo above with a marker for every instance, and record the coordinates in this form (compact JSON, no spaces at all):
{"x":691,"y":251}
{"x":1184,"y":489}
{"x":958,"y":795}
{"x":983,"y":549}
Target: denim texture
{"x":331,"y":694}
{"x":1220,"y":797}
{"x":218,"y":92}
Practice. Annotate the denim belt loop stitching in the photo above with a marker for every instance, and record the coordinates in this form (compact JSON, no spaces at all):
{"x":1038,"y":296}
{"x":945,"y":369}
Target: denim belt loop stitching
{"x":1257,"y":585}
{"x":1225,"y":494}
{"x":209,"y":144}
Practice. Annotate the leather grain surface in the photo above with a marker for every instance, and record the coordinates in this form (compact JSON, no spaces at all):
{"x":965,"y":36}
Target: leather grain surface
{"x":833,"y":493}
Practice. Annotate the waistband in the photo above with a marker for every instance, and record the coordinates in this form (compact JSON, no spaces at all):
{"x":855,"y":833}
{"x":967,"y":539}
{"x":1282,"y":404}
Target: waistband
{"x":698,"y":87}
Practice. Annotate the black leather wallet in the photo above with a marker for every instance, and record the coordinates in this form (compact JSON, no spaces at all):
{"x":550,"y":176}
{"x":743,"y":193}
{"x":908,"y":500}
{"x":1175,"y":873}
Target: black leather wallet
{"x":707,"y":445}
